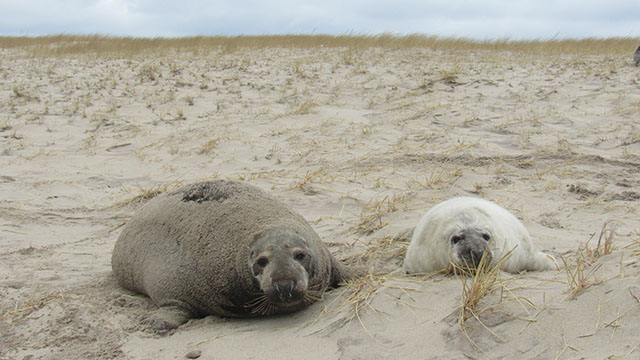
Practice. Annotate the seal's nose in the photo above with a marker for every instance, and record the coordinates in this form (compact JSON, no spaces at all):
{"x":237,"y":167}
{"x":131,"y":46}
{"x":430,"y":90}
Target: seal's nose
{"x":476,"y":256}
{"x":284,"y":288}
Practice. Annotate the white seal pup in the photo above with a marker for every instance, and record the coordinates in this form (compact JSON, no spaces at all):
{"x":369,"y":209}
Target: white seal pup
{"x":459,"y":230}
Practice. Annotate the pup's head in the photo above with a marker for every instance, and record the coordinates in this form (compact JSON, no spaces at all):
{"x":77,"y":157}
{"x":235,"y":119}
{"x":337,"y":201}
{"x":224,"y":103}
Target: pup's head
{"x":469,"y":245}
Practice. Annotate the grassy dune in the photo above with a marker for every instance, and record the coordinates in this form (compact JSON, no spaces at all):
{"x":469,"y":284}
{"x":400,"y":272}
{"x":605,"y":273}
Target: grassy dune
{"x":67,"y":45}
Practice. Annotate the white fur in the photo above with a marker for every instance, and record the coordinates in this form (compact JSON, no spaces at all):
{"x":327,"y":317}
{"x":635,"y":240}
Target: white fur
{"x":431,"y":249}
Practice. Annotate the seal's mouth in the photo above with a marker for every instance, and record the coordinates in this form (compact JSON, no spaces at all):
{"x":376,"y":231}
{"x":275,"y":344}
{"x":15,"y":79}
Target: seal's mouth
{"x":288,"y":305}
{"x":275,"y":303}
{"x":268,"y":303}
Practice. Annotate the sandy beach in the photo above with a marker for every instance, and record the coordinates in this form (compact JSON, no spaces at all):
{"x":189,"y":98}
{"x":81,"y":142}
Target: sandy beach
{"x":361,"y":141}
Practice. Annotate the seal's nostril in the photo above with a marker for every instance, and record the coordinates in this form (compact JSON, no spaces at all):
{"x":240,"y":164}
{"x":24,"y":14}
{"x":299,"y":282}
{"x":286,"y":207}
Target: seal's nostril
{"x":285,"y":290}
{"x":476,"y":257}
{"x":284,"y":287}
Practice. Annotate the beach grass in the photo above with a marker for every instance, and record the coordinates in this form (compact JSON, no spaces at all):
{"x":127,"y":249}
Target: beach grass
{"x":70,"y":45}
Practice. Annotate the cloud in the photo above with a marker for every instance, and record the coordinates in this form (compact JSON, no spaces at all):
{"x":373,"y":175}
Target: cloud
{"x":480,"y":20}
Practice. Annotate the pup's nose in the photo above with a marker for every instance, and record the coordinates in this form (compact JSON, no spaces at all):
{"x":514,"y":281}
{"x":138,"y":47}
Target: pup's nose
{"x":477,"y":255}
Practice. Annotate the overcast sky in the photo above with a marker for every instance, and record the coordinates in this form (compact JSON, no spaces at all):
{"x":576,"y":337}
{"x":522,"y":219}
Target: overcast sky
{"x":491,"y":19}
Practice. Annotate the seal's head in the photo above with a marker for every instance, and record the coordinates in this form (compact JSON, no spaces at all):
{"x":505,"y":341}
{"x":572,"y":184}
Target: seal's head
{"x":281,"y":262}
{"x":469,"y":245}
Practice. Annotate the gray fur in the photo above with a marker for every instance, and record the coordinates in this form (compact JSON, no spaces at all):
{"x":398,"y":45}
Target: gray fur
{"x":636,"y":56}
{"x":194,"y":252}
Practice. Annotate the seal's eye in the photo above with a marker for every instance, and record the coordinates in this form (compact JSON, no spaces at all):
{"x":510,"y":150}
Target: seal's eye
{"x":299,"y":256}
{"x":262,"y":261}
{"x":456,"y":239}
{"x":487,"y":237}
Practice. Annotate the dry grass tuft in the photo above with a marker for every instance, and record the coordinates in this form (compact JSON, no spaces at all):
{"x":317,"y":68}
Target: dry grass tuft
{"x":580,"y":267}
{"x":375,"y":210}
{"x":383,"y":256}
{"x":19,"y":92}
{"x":303,"y":108}
{"x":605,"y":242}
{"x":483,"y":279}
{"x":376,"y":265}
{"x":359,"y":292}
{"x":305,"y":185}
{"x":145,"y":194}
{"x":450,"y":77}
{"x":579,"y":273}
{"x":149,"y":72}
{"x":23,"y":310}
{"x":635,"y":246}
{"x":362,"y":290}
{"x":208,"y":146}
{"x":438,"y":179}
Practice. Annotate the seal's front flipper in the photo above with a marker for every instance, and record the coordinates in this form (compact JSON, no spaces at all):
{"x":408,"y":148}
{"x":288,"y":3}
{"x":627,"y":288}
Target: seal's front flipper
{"x":541,"y":261}
{"x":166,"y":318}
{"x":340,"y":274}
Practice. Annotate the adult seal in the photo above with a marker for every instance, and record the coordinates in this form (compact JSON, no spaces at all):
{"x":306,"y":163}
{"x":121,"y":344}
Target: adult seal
{"x":222,"y":248}
{"x":462,"y":230}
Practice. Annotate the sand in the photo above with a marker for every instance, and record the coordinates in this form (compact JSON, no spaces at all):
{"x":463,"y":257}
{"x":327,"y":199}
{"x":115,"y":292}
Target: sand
{"x":361,"y":142}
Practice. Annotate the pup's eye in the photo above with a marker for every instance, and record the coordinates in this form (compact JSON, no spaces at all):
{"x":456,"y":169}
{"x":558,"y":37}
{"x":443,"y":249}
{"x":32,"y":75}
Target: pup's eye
{"x":262,"y":261}
{"x":456,"y":239}
{"x":299,"y":256}
{"x":487,"y":237}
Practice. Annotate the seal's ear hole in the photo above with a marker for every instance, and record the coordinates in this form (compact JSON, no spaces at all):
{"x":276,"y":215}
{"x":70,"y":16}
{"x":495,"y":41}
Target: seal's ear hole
{"x":262,"y":261}
{"x":456,"y":239}
{"x":486,"y":237}
{"x":299,"y":255}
